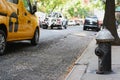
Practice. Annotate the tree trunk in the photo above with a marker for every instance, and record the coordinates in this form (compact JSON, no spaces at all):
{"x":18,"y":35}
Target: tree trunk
{"x":109,"y":18}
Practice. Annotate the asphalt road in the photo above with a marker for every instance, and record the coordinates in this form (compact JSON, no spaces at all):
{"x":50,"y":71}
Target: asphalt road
{"x":51,"y":59}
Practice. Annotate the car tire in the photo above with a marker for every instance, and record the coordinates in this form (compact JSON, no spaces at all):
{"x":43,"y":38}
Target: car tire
{"x":97,"y":29}
{"x":51,"y":27}
{"x":65,"y":27}
{"x":60,"y":27}
{"x":84,"y":28}
{"x":2,"y":42}
{"x":35,"y":39}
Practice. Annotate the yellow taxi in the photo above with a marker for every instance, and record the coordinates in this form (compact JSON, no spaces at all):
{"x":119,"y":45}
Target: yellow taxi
{"x":17,"y":22}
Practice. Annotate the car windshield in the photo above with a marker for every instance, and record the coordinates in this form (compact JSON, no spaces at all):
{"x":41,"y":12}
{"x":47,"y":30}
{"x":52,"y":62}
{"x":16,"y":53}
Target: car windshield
{"x":52,"y":15}
{"x":92,"y":18}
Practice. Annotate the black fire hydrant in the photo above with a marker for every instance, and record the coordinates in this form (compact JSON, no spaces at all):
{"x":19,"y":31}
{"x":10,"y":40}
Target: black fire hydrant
{"x":103,"y":51}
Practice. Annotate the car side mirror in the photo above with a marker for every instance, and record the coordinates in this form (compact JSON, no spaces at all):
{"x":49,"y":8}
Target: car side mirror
{"x":34,"y":9}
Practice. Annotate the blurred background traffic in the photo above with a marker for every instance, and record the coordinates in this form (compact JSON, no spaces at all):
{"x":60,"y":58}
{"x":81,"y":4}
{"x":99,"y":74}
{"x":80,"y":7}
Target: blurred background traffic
{"x":58,"y":13}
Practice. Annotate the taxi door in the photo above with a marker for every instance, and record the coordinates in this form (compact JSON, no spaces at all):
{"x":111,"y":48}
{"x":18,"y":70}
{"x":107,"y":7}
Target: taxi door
{"x":12,"y":19}
{"x":25,"y":19}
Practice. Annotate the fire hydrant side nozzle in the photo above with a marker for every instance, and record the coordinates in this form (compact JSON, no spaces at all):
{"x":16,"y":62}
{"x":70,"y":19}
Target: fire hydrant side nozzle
{"x":99,"y":52}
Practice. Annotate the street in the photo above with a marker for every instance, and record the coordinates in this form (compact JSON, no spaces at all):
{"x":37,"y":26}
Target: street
{"x":51,"y":59}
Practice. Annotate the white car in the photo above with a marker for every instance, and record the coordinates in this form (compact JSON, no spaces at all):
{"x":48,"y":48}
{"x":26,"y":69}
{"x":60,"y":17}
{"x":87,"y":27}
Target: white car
{"x":55,"y":19}
{"x":41,"y":17}
{"x":71,"y":23}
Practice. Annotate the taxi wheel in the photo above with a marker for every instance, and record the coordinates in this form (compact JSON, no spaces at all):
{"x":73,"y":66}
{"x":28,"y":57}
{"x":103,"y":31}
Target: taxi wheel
{"x":2,"y":42}
{"x":35,"y":39}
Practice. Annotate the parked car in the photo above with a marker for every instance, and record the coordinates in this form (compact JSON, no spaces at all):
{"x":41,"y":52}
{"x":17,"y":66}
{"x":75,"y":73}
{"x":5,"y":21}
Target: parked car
{"x":45,"y":23}
{"x":65,"y":23}
{"x":78,"y":21}
{"x":91,"y":23}
{"x":41,"y":17}
{"x":55,"y":19}
{"x":71,"y":23}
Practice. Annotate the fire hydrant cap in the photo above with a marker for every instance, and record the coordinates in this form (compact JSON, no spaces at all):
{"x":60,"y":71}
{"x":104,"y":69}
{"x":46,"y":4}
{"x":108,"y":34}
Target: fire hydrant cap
{"x":104,"y":36}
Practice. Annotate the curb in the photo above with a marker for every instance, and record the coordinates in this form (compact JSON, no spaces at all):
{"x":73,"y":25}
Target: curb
{"x":82,"y":63}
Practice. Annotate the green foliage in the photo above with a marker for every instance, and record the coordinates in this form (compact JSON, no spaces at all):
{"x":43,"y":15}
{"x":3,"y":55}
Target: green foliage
{"x":117,"y":2}
{"x":71,"y":11}
{"x":69,"y":7}
{"x":98,"y":4}
{"x":50,"y":5}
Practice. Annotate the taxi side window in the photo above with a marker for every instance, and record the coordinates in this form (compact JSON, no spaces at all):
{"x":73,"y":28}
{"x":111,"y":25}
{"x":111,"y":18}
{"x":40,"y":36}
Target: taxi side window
{"x":26,"y":5}
{"x":13,"y":1}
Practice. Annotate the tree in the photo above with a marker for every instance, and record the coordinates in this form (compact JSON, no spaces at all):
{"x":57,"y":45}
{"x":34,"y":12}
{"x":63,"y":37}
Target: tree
{"x":109,"y":19}
{"x":118,"y":2}
{"x":50,"y":5}
{"x":68,"y":6}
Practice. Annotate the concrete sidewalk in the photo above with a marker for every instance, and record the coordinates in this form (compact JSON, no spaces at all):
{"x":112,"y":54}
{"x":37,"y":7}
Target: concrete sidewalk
{"x":85,"y":67}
